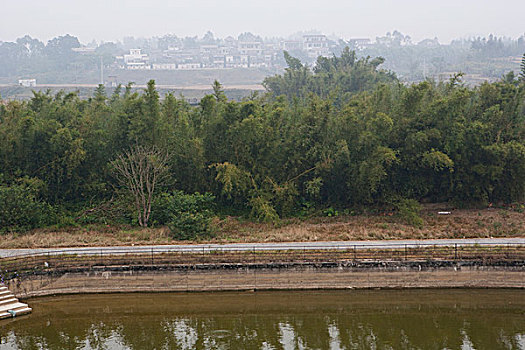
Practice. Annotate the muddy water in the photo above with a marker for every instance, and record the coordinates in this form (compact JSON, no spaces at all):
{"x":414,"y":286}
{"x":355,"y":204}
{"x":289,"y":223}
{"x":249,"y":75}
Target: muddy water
{"x":412,"y":319}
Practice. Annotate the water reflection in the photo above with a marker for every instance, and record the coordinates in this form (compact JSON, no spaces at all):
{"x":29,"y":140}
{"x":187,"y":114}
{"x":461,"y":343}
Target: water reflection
{"x":440,"y":319}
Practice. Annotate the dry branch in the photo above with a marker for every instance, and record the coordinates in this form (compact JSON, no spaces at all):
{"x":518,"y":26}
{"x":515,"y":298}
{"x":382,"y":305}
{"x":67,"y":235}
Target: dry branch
{"x":140,"y":170}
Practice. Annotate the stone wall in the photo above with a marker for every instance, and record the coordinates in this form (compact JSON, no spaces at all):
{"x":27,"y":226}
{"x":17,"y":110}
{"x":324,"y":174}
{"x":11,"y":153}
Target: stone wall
{"x":225,"y":277}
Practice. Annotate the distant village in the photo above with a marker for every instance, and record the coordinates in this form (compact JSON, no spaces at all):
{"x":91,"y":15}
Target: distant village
{"x":248,"y":51}
{"x":66,"y":59}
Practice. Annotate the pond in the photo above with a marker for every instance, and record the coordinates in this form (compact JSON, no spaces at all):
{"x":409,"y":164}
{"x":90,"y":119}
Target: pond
{"x":353,"y":319}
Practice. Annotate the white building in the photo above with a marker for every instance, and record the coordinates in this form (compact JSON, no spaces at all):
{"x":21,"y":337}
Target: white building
{"x":250,"y":48}
{"x":360,"y":43}
{"x":236,"y":61}
{"x":188,"y":66}
{"x":136,"y":60}
{"x":218,"y":61}
{"x":164,"y":66}
{"x":291,"y":45}
{"x":209,"y":49}
{"x":27,"y":82}
{"x":316,"y":45}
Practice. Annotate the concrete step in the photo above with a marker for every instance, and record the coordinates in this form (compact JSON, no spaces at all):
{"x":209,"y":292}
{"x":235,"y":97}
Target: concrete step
{"x":7,"y":297}
{"x":12,"y":306}
{"x":24,"y":311}
{"x":8,"y":301}
{"x":5,"y":292}
{"x":18,"y":312}
{"x":19,"y":308}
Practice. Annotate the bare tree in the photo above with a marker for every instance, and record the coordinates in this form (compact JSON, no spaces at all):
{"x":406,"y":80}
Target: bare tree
{"x":140,"y":171}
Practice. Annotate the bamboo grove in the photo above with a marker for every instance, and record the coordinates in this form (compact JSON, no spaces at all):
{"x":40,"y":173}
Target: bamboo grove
{"x":344,"y":134}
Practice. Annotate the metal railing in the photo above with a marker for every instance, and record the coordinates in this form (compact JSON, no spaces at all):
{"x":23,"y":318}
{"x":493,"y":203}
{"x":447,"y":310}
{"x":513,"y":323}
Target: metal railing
{"x":89,"y":258}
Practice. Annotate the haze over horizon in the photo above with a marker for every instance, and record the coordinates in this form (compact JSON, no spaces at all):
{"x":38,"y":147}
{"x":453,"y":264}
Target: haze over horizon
{"x":109,"y":21}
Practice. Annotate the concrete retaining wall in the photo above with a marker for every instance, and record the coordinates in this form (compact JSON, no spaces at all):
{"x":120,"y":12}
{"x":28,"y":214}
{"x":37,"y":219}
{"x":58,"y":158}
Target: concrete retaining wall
{"x":270,"y":276}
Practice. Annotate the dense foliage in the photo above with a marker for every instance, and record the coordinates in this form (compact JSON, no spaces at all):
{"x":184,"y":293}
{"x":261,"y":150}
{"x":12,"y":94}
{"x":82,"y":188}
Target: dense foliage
{"x":188,"y":216}
{"x":351,"y":136}
{"x":331,"y":76}
{"x":19,"y":207}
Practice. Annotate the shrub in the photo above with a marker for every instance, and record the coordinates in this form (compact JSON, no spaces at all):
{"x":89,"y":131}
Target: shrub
{"x":188,"y":216}
{"x":262,"y":210}
{"x":116,"y":210}
{"x":408,"y":210}
{"x":20,"y":208}
{"x":330,"y":212}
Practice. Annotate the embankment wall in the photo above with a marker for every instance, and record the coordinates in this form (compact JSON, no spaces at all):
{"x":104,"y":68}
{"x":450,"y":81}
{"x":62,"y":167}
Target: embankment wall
{"x":228,"y":277}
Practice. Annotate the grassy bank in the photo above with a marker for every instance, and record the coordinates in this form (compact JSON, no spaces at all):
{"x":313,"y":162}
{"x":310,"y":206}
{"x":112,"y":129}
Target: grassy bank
{"x":467,"y":223}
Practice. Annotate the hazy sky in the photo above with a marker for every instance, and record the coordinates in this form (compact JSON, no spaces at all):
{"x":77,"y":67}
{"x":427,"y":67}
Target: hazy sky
{"x":114,"y":19}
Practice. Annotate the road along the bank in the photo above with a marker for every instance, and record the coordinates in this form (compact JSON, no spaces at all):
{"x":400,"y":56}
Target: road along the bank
{"x":451,"y":263}
{"x":322,"y":245}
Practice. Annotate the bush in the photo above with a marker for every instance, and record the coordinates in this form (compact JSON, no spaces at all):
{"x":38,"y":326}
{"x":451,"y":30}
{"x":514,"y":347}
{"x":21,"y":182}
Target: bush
{"x":188,"y":216}
{"x":408,"y":210}
{"x":117,"y":210}
{"x":190,"y":225}
{"x":262,"y":210}
{"x":20,"y":209}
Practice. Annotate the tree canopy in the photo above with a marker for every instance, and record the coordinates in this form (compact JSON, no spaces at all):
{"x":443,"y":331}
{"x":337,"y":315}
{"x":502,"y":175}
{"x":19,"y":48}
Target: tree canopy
{"x":343,"y":134}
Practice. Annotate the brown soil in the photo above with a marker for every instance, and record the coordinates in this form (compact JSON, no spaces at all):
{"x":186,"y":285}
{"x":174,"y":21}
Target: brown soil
{"x":468,"y":223}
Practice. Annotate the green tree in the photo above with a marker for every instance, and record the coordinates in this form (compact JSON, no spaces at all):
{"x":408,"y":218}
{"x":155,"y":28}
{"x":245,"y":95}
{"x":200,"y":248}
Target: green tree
{"x":218,"y":91}
{"x":522,"y":68}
